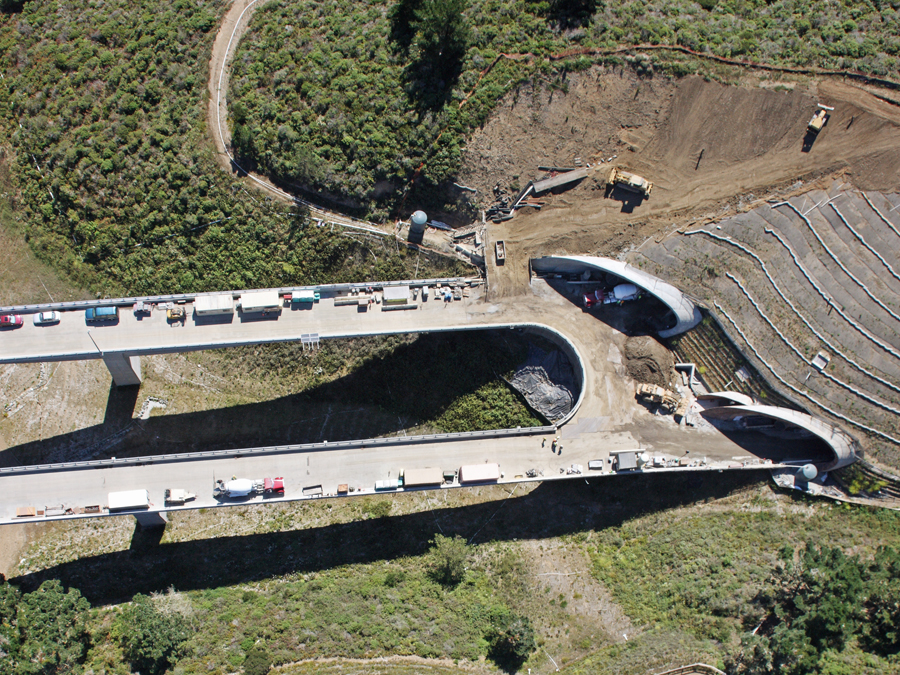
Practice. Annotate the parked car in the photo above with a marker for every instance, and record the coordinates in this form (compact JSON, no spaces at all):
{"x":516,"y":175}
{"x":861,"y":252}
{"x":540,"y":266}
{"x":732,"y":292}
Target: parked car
{"x":44,"y":318}
{"x":10,"y":321}
{"x":98,"y":314}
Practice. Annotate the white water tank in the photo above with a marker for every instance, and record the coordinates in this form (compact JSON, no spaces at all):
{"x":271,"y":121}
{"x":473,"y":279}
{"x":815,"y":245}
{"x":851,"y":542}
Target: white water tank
{"x":807,"y":472}
{"x":417,"y":222}
{"x":643,"y":459}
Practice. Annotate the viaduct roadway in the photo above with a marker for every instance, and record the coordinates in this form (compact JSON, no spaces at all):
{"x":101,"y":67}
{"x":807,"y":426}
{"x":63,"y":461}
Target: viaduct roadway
{"x":608,"y":418}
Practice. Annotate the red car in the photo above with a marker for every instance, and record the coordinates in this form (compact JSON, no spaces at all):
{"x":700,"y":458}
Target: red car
{"x":10,"y":321}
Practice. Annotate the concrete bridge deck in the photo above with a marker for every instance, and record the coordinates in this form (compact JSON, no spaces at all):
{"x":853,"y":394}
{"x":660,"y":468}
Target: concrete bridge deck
{"x":359,"y":464}
{"x":606,"y":417}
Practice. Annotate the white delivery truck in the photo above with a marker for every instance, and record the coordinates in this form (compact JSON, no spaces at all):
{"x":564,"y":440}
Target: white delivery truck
{"x":129,"y":500}
{"x":422,"y":477}
{"x":260,"y":301}
{"x":205,"y":305}
{"x":479,"y":473}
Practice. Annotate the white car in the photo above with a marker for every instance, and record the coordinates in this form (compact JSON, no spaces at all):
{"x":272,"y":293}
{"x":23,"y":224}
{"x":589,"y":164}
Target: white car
{"x":44,"y":318}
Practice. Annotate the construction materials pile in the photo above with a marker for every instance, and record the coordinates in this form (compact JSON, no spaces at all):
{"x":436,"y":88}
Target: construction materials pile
{"x":501,"y":209}
{"x":547,"y":382}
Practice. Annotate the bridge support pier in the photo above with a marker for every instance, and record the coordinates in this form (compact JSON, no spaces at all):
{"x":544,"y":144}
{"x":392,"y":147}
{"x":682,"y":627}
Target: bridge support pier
{"x":125,"y":370}
{"x":151,"y":519}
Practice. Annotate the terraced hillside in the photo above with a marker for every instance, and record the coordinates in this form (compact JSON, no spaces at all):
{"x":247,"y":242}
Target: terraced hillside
{"x":816,"y":273}
{"x":721,"y":365}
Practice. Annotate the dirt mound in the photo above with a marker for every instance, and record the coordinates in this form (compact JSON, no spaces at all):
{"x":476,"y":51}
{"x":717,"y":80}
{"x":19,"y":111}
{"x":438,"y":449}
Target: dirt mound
{"x":646,"y":360}
{"x":710,"y":150}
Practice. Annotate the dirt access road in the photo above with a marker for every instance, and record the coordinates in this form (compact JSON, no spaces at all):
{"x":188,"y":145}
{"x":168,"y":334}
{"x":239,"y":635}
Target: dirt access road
{"x":710,"y":150}
{"x":233,"y":27}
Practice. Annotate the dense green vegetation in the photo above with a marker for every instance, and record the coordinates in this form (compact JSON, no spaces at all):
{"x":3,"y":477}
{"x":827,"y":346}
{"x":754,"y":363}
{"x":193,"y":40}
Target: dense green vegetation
{"x":395,"y":608}
{"x":44,"y":631}
{"x":348,"y":97}
{"x":445,"y":380}
{"x":724,"y":574}
{"x":818,"y":606}
{"x":103,"y":105}
{"x":52,"y":630}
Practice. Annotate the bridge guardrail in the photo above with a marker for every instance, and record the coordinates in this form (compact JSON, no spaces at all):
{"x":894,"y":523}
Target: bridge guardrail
{"x":274,"y":450}
{"x":176,"y":297}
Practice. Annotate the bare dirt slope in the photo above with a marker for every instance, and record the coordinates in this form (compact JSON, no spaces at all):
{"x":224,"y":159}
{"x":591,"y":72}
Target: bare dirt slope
{"x":751,"y":138}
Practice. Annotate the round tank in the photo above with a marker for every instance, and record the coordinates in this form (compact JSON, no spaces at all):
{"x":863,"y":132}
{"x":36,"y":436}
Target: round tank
{"x":417,"y":221}
{"x":643,"y":459}
{"x":807,"y":472}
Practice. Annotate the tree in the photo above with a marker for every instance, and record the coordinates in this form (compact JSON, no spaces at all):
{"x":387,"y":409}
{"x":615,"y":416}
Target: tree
{"x":442,"y":32}
{"x":150,"y":639}
{"x":448,"y":559}
{"x":441,"y":39}
{"x":52,"y":636}
{"x":510,"y":639}
{"x":814,"y":608}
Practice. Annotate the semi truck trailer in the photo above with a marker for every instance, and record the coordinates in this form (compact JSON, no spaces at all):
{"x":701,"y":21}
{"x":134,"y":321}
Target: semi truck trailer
{"x":129,"y":500}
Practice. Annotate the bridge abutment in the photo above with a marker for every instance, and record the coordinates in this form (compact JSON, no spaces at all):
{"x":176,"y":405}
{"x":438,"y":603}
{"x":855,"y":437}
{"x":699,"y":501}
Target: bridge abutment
{"x":151,"y":519}
{"x":125,"y":370}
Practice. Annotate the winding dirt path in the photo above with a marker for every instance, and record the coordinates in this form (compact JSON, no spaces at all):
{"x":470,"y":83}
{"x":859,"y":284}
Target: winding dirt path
{"x":233,"y":27}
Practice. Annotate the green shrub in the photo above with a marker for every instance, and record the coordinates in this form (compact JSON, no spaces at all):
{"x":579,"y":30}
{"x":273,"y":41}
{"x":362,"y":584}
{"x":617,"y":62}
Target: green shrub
{"x":511,"y":639}
{"x":448,"y":559}
{"x":258,"y":661}
{"x":379,"y":509}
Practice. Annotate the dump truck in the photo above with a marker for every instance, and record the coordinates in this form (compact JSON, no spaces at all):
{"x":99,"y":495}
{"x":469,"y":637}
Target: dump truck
{"x":177,"y":496}
{"x":248,"y":487}
{"x":500,"y":248}
{"x":630,"y":181}
{"x":653,"y":393}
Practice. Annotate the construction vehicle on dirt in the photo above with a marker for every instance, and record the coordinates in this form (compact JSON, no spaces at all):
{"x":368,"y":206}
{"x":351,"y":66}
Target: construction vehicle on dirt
{"x":653,"y":393}
{"x":630,"y":181}
{"x":819,"y":119}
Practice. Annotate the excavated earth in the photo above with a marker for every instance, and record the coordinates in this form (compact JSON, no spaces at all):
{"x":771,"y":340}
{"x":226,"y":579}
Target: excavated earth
{"x":710,"y":149}
{"x":646,"y":360}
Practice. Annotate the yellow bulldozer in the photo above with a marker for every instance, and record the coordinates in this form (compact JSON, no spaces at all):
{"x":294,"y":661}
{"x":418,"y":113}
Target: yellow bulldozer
{"x":630,"y":181}
{"x":654,"y":394}
{"x":819,"y":119}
